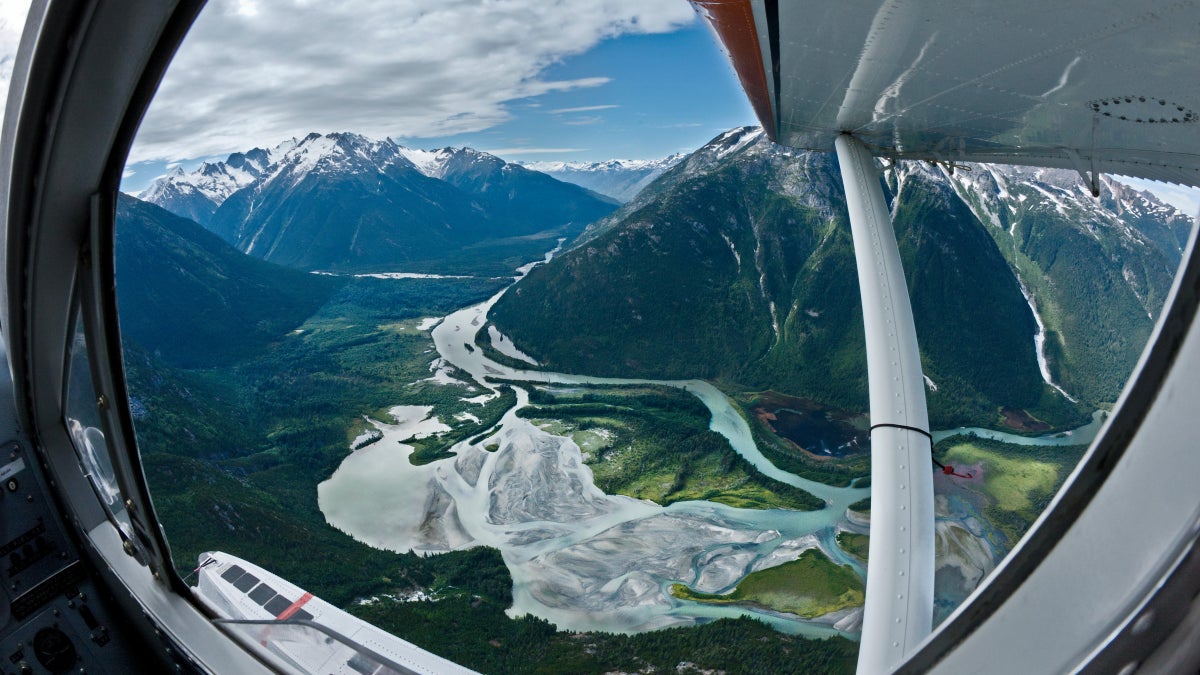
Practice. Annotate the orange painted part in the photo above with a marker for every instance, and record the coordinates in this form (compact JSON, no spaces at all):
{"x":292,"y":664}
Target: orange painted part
{"x":733,"y":20}
{"x":294,"y":607}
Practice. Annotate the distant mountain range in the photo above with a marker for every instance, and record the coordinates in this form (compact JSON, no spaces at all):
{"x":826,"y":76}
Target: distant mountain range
{"x":736,"y":264}
{"x":343,"y":202}
{"x":621,"y":179}
{"x":197,"y":194}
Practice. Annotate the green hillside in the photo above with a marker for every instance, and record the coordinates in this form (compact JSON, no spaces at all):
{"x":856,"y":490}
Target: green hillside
{"x":739,"y":267}
{"x":1099,"y":271}
{"x":195,"y":300}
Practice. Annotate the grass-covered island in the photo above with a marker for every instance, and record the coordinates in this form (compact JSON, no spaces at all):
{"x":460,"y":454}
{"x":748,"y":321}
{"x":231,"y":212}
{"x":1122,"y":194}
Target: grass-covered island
{"x":809,"y":586}
{"x":1013,"y":483}
{"x":653,"y":442}
{"x":855,"y":544}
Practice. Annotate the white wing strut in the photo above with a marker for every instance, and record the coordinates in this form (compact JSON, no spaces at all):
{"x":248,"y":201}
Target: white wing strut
{"x":899,"y":599}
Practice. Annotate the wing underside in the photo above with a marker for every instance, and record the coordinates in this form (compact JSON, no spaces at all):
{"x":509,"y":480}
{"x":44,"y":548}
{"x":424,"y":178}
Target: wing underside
{"x":1104,"y":87}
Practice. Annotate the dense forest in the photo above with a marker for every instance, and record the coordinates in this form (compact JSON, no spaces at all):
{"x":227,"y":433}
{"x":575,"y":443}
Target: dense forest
{"x":739,"y":271}
{"x":233,"y":450}
{"x":759,"y":240}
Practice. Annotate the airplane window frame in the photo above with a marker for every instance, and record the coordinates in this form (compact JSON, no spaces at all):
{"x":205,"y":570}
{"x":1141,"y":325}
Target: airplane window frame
{"x":1129,"y":413}
{"x":102,"y":326}
{"x":82,"y":79}
{"x":81,"y":416}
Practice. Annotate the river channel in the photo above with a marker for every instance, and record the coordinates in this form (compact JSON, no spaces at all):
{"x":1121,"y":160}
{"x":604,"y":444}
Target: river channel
{"x":583,"y":559}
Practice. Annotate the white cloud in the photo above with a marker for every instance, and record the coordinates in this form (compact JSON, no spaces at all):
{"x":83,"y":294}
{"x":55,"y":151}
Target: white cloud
{"x":584,"y":121}
{"x":12,"y":21}
{"x":245,"y":7}
{"x":252,"y":73}
{"x":586,"y":108}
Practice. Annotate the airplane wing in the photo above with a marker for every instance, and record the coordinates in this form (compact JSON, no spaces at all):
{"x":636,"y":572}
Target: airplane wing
{"x":1097,"y":87}
{"x":1105,"y":87}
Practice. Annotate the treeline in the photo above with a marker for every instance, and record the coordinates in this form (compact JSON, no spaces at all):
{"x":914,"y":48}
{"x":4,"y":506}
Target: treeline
{"x":836,"y":471}
{"x":862,"y":505}
{"x":1013,"y":523}
{"x":1064,"y":455}
{"x":633,"y":396}
{"x":479,"y":636}
{"x":483,"y":341}
{"x":721,"y":276}
{"x":385,"y":298}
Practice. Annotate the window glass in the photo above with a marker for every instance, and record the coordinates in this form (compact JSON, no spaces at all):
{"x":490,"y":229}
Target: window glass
{"x":513,"y":400}
{"x":82,"y":417}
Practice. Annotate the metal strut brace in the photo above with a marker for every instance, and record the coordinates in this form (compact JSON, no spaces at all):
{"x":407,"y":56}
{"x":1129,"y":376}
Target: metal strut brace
{"x":899,"y":597}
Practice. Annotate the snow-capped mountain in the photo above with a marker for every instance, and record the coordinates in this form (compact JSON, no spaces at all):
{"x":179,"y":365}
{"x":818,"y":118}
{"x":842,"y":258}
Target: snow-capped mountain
{"x":1120,"y":210}
{"x":344,"y":201}
{"x":429,"y":162}
{"x":791,"y":178}
{"x":508,"y":191}
{"x":1024,"y":286}
{"x":620,"y":179}
{"x":197,"y":194}
{"x":337,"y":153}
{"x":451,"y":163}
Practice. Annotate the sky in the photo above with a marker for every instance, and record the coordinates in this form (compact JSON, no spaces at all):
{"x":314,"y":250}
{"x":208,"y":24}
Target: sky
{"x":527,"y":80}
{"x":12,"y":19}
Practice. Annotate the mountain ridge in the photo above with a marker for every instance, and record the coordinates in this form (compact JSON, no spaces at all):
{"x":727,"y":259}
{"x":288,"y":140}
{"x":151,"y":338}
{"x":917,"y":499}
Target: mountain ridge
{"x":620,"y":179}
{"x":344,"y":202}
{"x":235,"y":303}
{"x":756,"y":234}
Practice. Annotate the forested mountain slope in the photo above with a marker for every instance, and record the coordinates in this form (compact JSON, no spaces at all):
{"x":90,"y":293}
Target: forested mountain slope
{"x":737,"y":265}
{"x":195,"y":299}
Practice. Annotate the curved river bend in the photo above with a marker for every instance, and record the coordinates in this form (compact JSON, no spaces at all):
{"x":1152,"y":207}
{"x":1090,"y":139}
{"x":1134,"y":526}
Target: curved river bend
{"x":580,"y":558}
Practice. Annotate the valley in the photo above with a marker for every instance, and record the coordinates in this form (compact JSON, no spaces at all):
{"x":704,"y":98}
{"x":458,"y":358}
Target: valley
{"x":584,"y":559}
{"x":589,"y":559}
{"x":259,"y":497}
{"x":616,"y":453}
{"x":342,"y":202}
